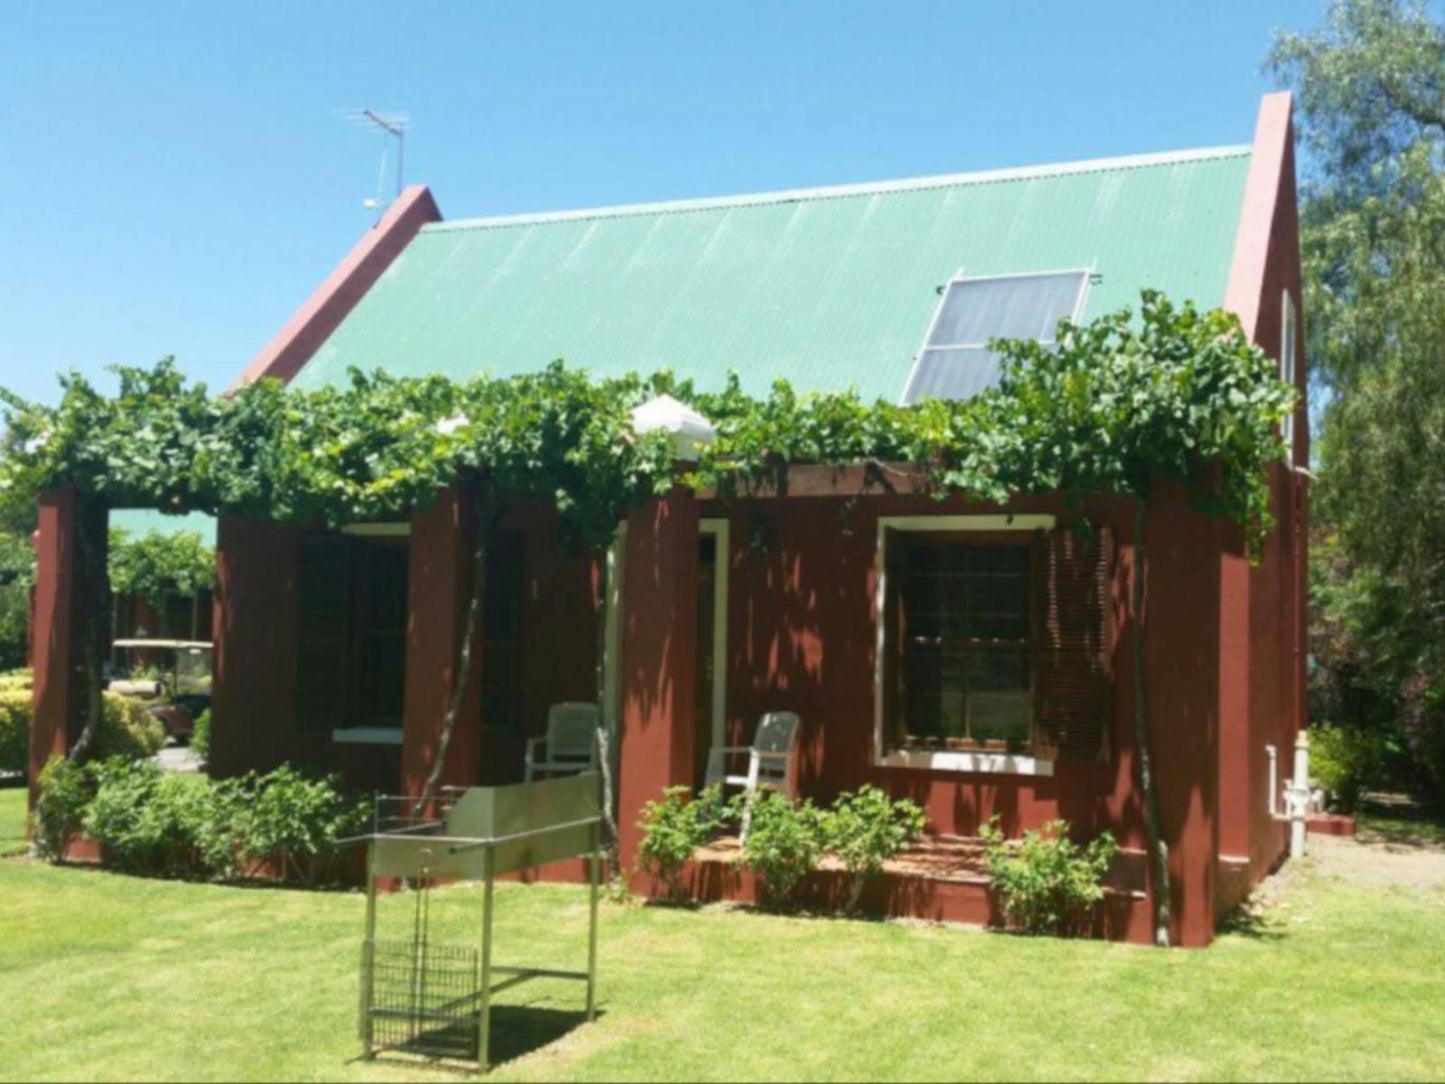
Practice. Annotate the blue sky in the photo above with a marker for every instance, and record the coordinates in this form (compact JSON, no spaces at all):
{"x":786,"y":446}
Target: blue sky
{"x":175,"y":178}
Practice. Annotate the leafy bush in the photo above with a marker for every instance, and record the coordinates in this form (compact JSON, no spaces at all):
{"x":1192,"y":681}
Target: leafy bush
{"x":201,"y":737}
{"x":673,"y":829}
{"x":1345,"y":761}
{"x":146,"y":820}
{"x":294,"y":821}
{"x":158,"y":823}
{"x":128,"y":730}
{"x":866,"y":829}
{"x":784,"y":841}
{"x":65,"y":791}
{"x":14,"y":729}
{"x":16,"y":679}
{"x":1047,"y":883}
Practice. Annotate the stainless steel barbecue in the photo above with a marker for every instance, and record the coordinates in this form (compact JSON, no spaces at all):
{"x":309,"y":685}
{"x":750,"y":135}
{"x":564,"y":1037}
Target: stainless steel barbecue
{"x":433,"y":999}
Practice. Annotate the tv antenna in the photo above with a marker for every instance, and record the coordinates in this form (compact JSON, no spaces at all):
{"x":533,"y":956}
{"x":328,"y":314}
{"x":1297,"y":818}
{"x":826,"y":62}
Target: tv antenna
{"x":394,"y":125}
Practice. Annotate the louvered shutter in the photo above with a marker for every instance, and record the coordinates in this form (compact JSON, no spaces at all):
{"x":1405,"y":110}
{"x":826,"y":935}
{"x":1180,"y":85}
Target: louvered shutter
{"x":1074,"y":648}
{"x":323,"y":602}
{"x":895,"y":707}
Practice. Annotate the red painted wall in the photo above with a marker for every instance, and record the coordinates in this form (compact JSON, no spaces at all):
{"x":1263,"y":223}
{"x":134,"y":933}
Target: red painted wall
{"x":802,"y":634}
{"x":253,"y":694}
{"x":58,"y":698}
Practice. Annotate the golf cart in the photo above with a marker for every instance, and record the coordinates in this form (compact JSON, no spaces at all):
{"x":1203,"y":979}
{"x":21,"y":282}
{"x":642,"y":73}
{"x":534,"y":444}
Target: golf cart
{"x":174,"y":674}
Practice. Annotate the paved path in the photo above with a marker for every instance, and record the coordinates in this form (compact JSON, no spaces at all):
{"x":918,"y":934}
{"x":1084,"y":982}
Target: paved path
{"x":178,"y":758}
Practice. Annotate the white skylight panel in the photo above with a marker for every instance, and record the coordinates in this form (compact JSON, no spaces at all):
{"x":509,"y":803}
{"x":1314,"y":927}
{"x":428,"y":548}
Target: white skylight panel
{"x":955,"y":362}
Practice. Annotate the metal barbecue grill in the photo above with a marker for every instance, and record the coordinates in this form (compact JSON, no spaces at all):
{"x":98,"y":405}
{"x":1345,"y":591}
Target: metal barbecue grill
{"x":433,"y":999}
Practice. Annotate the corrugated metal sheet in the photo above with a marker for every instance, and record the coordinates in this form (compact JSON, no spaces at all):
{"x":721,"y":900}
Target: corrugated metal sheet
{"x":828,"y":288}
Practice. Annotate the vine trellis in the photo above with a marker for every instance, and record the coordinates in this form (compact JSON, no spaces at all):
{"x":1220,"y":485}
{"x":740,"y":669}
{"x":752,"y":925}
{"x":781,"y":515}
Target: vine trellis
{"x":1120,"y":402}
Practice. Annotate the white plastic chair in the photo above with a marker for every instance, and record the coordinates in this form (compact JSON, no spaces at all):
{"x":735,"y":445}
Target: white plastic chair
{"x":570,"y":744}
{"x":771,"y":763}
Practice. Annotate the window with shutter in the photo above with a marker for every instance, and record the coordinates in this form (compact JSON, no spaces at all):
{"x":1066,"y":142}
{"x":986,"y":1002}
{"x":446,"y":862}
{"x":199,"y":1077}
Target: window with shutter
{"x":351,"y":632}
{"x":502,"y":633}
{"x":322,"y":619}
{"x":1074,"y":680}
{"x":996,"y":641}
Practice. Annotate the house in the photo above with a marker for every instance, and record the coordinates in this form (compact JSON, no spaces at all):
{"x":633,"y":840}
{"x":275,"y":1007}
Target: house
{"x":1011,"y":694}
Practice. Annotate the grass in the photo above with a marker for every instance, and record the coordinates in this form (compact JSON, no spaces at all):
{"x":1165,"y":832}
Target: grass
{"x":109,"y":977}
{"x":12,"y":821}
{"x":1394,"y":820}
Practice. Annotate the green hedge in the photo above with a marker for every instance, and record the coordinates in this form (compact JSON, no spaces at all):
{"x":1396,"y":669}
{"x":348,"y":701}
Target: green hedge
{"x":170,"y":824}
{"x":14,"y":730}
{"x":127,"y":727}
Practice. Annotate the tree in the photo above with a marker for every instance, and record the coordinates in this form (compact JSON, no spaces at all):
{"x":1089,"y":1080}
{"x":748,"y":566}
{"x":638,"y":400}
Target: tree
{"x":1371,"y":85}
{"x":158,"y":566}
{"x":17,"y":573}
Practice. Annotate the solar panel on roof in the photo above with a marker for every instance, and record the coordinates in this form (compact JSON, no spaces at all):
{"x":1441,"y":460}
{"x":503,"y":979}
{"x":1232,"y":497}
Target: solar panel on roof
{"x":955,"y":362}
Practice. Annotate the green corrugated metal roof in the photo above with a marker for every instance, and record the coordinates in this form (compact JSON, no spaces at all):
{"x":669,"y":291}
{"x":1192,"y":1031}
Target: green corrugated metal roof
{"x":140,"y":521}
{"x":828,"y":287}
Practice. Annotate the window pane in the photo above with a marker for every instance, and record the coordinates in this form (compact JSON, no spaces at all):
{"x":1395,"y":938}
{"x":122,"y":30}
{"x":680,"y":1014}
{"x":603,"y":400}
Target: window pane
{"x":965,"y":655}
{"x":998,"y":671}
{"x":999,"y":717}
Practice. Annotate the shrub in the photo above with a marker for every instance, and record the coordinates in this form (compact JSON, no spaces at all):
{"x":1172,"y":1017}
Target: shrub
{"x":294,"y":821}
{"x":1344,"y":762}
{"x":146,"y":820}
{"x":16,"y":679}
{"x":673,"y":829}
{"x":201,"y":737}
{"x":783,"y":844}
{"x":866,"y":829}
{"x":128,"y":730}
{"x":65,"y":791}
{"x":14,"y":729}
{"x":1047,"y":883}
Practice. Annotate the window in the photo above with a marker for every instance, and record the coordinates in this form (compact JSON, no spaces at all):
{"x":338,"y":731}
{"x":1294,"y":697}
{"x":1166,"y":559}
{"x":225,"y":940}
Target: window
{"x":1288,"y":348}
{"x":995,"y":640}
{"x":502,"y":625}
{"x":965,"y":675}
{"x":351,"y":632}
{"x":955,"y":362}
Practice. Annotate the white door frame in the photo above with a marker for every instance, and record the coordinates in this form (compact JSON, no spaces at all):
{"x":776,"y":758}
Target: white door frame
{"x":720,"y":530}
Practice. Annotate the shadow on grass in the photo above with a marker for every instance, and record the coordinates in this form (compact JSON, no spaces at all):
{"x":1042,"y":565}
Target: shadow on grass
{"x":1251,"y":919}
{"x":517,"y":1030}
{"x":1399,"y":821}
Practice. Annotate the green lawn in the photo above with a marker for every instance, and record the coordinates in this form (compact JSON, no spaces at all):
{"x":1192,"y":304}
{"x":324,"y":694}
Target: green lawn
{"x":110,"y":977}
{"x":12,"y":821}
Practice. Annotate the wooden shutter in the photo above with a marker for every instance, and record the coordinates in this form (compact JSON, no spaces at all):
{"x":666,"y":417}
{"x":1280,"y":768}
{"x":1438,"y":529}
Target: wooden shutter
{"x":895,"y":706}
{"x":323,"y":606}
{"x":1074,"y":644}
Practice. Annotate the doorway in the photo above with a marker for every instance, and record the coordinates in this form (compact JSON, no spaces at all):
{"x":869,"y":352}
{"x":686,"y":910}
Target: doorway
{"x":710,"y":707}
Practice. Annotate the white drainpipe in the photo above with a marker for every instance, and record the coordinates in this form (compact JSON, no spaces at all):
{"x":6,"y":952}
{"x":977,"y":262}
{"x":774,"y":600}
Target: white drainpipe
{"x":1296,"y":792}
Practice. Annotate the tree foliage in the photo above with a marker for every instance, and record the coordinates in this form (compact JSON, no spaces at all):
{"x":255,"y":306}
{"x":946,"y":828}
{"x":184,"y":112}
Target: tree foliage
{"x":159,"y":564}
{"x":1371,"y":85}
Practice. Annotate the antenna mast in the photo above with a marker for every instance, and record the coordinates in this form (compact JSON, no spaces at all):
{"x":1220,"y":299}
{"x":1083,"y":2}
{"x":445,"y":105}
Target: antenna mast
{"x":394,"y":125}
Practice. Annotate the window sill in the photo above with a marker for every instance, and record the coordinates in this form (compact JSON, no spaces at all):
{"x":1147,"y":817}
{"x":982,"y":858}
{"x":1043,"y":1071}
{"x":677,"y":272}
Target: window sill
{"x":367,"y":735}
{"x":959,"y":760}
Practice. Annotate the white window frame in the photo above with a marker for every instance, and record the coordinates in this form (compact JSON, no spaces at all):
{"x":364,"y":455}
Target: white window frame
{"x":1288,"y":358}
{"x":1086,"y":276}
{"x":940,"y":760}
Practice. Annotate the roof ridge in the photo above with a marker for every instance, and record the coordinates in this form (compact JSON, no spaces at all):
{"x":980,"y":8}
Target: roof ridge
{"x":867,"y":188}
